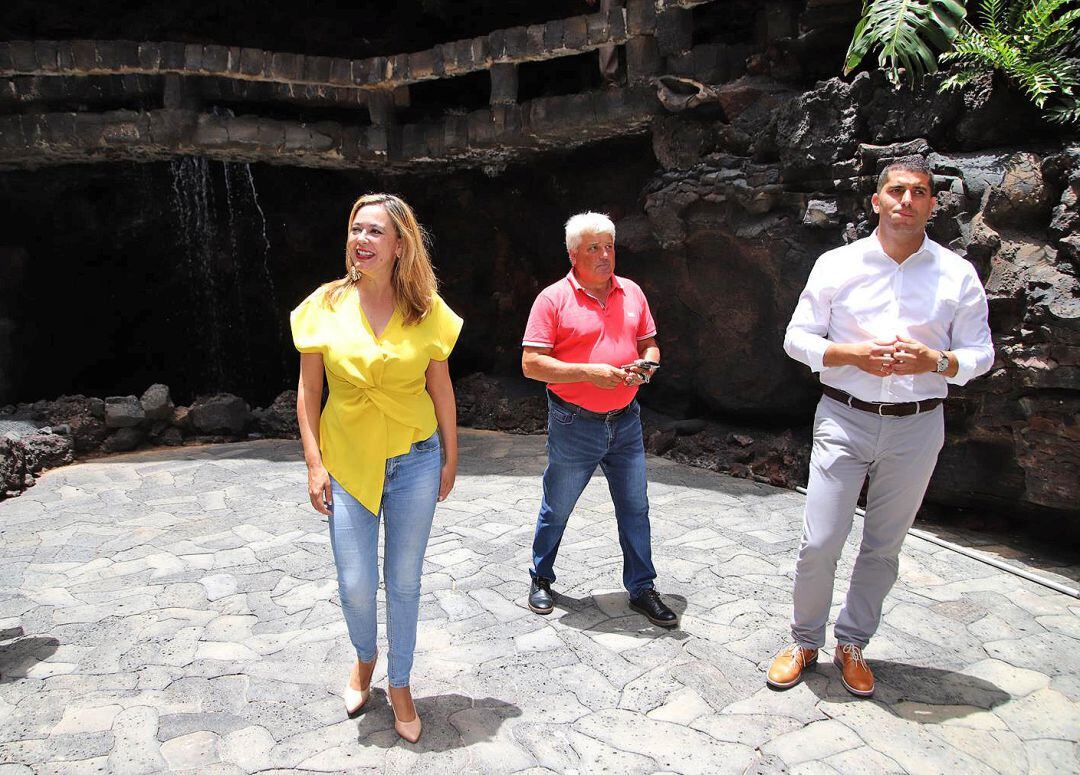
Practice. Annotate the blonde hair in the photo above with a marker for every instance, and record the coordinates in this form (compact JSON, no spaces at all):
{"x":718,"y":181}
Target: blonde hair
{"x":413,"y":278}
{"x":587,"y":223}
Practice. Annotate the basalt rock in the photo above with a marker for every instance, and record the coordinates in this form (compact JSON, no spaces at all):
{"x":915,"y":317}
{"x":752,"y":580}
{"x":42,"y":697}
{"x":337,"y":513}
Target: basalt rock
{"x":779,"y":458}
{"x":157,"y":404}
{"x":489,"y":403}
{"x":1022,"y":196}
{"x":13,"y":475}
{"x":220,"y":414}
{"x":46,"y":450}
{"x":82,"y":425}
{"x":123,"y":412}
{"x":84,"y":416}
{"x":124,"y":439}
{"x":739,"y":232}
{"x":279,"y":419}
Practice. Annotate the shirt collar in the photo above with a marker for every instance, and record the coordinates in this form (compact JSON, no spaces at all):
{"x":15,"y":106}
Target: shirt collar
{"x":926,"y":248}
{"x":578,"y":287}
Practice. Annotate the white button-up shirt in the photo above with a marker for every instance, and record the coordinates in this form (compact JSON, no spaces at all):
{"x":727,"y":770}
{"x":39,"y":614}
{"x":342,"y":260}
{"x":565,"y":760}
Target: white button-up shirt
{"x":856,"y":293}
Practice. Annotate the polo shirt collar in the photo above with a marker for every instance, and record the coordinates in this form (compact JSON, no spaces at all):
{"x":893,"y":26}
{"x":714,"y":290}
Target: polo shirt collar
{"x":578,"y":287}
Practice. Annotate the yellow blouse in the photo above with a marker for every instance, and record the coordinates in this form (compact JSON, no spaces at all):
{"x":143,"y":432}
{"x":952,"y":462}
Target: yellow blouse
{"x":378,"y":404}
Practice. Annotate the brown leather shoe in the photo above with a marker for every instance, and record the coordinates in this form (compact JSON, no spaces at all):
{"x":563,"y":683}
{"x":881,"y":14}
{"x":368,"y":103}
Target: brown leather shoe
{"x":787,"y":667}
{"x":854,"y":672}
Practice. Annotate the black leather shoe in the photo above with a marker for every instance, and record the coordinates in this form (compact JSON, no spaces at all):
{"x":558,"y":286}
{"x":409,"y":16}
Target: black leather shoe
{"x":540,"y":601}
{"x":649,"y":604}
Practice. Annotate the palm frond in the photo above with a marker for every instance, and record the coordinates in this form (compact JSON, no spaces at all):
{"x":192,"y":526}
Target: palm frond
{"x":1068,"y":114}
{"x":1030,"y":42}
{"x":906,"y":33}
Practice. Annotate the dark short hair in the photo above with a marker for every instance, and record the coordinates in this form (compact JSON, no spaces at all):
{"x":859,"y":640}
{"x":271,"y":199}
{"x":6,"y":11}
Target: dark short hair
{"x":908,"y":164}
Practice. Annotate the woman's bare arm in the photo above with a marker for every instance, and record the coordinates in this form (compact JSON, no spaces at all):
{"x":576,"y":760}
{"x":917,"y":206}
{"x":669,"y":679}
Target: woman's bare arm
{"x":308,"y":409}
{"x":441,"y":391}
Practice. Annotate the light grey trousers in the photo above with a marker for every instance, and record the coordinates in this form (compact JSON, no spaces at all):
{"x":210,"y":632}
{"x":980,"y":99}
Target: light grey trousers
{"x":899,"y":454}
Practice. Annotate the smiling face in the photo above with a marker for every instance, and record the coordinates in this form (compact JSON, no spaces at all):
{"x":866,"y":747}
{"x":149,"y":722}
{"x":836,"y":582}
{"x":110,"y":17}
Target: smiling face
{"x":594,"y":259}
{"x":373,"y":245}
{"x":904,"y":203}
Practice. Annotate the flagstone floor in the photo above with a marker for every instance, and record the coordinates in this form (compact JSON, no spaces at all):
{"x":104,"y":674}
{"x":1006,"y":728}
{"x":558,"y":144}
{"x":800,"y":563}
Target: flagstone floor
{"x":176,"y":610}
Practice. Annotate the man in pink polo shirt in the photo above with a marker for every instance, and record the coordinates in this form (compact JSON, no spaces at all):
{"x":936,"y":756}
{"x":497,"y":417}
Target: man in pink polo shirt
{"x":592,"y":339}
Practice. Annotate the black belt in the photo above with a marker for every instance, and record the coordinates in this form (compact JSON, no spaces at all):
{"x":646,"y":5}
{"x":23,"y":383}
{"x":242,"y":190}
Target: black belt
{"x":884,"y":410}
{"x":585,"y":412}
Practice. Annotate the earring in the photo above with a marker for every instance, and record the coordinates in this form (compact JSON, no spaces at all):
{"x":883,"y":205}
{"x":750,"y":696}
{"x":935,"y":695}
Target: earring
{"x":354,"y":273}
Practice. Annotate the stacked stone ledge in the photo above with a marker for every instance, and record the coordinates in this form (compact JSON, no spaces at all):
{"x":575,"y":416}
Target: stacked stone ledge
{"x":47,"y":434}
{"x":516,"y":44}
{"x":33,"y":140}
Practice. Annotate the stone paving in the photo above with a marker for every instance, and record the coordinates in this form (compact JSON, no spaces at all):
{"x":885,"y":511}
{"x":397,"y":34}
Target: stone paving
{"x":175,"y":610}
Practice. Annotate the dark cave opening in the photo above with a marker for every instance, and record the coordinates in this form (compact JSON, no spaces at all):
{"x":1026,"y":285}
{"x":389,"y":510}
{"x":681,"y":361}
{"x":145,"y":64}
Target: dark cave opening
{"x":184,"y":272}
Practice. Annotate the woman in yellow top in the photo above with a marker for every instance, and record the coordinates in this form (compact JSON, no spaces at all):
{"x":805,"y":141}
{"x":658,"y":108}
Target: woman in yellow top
{"x":382,"y":336}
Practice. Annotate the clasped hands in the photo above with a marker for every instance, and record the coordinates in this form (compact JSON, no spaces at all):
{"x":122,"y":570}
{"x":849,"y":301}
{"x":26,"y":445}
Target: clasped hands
{"x":882,"y":357}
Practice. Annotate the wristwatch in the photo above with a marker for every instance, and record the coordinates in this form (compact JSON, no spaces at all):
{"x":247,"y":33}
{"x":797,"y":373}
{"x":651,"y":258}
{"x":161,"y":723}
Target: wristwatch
{"x":942,"y":362}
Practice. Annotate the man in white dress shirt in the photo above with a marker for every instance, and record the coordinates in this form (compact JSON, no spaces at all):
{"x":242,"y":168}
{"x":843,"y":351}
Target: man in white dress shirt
{"x":888,"y":321}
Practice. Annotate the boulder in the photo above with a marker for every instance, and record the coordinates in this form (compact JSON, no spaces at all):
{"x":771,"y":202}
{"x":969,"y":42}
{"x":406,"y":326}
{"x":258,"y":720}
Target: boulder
{"x":123,"y":439}
{"x":84,"y":416}
{"x":489,"y":403}
{"x":46,"y":450}
{"x":279,"y":419}
{"x":123,"y":412}
{"x":172,"y":437}
{"x":181,"y":418}
{"x":12,"y":466}
{"x":157,"y":403}
{"x":221,"y":413}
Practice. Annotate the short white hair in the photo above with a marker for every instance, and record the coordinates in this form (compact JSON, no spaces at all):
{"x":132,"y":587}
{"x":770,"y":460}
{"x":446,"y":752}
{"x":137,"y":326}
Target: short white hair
{"x":587,"y":223}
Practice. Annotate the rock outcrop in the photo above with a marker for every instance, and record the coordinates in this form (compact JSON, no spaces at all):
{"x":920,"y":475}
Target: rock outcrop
{"x":48,"y":434}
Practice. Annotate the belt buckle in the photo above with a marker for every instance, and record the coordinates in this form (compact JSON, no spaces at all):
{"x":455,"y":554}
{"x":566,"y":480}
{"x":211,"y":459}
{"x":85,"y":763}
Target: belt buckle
{"x":881,"y":413}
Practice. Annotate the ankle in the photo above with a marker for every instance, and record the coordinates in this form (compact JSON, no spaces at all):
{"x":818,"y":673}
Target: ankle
{"x":402,"y":703}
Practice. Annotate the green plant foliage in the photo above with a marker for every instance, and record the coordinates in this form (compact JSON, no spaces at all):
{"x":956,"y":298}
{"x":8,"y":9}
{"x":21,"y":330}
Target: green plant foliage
{"x":907,"y":34}
{"x":1030,"y":42}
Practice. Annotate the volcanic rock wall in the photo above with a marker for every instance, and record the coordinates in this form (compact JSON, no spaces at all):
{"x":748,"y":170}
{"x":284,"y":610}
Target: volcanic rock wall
{"x":750,"y":196}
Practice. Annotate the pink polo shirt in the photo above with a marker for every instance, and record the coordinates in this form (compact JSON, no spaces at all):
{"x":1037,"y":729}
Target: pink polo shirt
{"x":579,"y":329}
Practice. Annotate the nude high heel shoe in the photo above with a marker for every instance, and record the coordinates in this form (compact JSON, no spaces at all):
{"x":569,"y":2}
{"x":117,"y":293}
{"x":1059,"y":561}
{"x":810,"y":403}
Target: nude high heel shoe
{"x":407,"y":730}
{"x":355,"y":699}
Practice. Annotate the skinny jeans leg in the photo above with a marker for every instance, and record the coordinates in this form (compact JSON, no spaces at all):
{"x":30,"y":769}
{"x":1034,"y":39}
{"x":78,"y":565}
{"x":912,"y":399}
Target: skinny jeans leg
{"x":354,"y":540}
{"x":409,"y":497}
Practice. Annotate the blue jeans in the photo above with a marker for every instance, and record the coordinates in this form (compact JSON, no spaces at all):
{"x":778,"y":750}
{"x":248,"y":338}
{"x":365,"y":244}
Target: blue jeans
{"x":576,"y":445}
{"x":408,"y":507}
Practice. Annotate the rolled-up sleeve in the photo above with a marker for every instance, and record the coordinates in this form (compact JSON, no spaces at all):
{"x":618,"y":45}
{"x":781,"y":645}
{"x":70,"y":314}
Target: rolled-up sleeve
{"x":970,"y":338}
{"x":805,"y":337}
